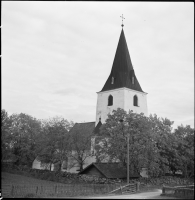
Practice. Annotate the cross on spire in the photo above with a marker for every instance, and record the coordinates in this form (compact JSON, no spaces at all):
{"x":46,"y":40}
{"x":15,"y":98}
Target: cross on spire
{"x":122,"y":20}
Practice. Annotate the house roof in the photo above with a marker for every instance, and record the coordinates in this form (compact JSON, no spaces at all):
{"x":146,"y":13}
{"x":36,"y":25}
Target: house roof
{"x":122,"y":69}
{"x":110,"y":170}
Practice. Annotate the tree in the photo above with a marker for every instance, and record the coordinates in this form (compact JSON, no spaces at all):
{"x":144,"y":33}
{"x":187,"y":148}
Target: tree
{"x":80,"y":144}
{"x":54,"y":141}
{"x":143,"y":150}
{"x":165,"y":142}
{"x":5,"y":135}
{"x":24,"y":133}
{"x":185,"y":149}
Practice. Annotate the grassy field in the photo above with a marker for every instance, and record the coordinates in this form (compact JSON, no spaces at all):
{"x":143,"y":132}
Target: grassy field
{"x":7,"y":180}
{"x":14,"y":185}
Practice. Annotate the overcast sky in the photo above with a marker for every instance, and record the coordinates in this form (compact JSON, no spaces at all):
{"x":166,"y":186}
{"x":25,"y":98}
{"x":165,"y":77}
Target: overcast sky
{"x":57,"y":55}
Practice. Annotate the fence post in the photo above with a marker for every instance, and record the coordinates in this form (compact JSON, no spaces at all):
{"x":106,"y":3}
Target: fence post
{"x":37,"y":190}
{"x":121,"y":189}
{"x":12,"y":191}
{"x":94,"y":189}
{"x":163,"y":189}
{"x":137,"y":188}
{"x":41,"y":192}
{"x":56,"y":189}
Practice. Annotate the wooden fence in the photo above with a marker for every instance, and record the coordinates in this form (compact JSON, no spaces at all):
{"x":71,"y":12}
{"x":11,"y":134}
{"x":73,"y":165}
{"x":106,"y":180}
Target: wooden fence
{"x":186,"y":191}
{"x":63,"y":190}
{"x":129,"y":188}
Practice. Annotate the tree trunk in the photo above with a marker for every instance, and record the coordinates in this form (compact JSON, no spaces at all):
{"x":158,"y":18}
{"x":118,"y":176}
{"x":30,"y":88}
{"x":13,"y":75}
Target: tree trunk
{"x":60,"y":166}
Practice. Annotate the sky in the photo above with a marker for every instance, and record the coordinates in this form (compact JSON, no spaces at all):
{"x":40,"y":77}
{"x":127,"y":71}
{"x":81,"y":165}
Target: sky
{"x":57,"y":55}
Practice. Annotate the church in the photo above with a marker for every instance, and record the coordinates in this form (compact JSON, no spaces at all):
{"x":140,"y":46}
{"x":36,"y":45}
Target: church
{"x":121,"y":90}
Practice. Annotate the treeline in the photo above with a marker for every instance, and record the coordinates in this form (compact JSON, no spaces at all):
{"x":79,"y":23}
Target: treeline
{"x":153,"y":143}
{"x":24,"y":138}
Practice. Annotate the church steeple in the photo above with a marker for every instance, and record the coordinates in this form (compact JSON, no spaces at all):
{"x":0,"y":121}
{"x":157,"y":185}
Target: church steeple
{"x":122,"y":72}
{"x":122,"y":89}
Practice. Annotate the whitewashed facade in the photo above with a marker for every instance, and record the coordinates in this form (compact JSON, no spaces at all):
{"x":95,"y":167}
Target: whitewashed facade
{"x":122,"y":98}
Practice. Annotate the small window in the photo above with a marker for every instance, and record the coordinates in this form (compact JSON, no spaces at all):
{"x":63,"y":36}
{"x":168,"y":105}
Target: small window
{"x":135,"y":100}
{"x":112,"y":82}
{"x":110,"y":100}
{"x":133,"y":80}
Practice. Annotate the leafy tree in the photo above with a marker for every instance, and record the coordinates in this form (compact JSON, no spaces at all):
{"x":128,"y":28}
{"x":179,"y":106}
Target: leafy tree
{"x":185,"y":149}
{"x":54,"y":141}
{"x":143,"y":151}
{"x":5,"y":135}
{"x":24,"y":132}
{"x":80,"y":145}
{"x":165,"y":142}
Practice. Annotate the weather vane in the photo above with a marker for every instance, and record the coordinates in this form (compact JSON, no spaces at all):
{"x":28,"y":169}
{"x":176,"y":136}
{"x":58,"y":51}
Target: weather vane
{"x":122,"y":20}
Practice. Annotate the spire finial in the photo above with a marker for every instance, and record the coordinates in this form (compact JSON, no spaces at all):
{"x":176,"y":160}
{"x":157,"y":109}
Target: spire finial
{"x":122,"y":20}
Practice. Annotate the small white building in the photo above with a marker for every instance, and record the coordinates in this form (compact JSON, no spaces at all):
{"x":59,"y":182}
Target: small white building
{"x":37,"y":164}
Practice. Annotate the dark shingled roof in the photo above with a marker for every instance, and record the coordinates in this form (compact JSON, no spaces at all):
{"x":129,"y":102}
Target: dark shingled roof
{"x":97,"y":128}
{"x":110,"y":170}
{"x":84,"y":128}
{"x":122,"y":69}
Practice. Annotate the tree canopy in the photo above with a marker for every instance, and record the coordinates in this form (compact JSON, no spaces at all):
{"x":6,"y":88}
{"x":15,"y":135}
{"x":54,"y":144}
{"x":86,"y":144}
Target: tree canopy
{"x":152,"y":143}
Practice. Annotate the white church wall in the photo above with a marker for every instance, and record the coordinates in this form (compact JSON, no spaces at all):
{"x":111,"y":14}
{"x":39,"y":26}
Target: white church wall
{"x":103,"y":109}
{"x":122,"y":98}
{"x":142,"y":101}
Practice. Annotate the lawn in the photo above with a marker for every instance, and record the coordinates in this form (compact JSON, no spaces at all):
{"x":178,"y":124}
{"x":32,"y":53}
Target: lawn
{"x":7,"y":180}
{"x":23,"y":186}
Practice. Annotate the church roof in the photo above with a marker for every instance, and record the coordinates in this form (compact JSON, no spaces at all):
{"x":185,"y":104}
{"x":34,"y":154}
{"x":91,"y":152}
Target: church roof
{"x":97,"y":128}
{"x":86,"y":128}
{"x":122,"y":69}
{"x":83,"y":128}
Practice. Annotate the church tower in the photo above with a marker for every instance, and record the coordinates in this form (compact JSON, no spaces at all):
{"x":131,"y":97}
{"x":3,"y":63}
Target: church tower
{"x":122,"y":89}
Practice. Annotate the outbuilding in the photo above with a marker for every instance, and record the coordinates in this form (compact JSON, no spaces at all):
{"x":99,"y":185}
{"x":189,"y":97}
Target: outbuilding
{"x":108,"y":170}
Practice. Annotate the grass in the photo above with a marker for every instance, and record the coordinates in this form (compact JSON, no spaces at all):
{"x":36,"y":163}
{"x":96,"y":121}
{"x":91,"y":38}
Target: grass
{"x":32,"y":187}
{"x":7,"y":180}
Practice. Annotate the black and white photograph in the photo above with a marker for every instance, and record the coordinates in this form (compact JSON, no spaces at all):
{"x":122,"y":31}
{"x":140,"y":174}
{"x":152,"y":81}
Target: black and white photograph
{"x":97,"y":99}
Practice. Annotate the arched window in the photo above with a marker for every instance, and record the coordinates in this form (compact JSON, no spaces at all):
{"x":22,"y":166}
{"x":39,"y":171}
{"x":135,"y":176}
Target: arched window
{"x":135,"y":100}
{"x":133,"y":80}
{"x":110,"y":100}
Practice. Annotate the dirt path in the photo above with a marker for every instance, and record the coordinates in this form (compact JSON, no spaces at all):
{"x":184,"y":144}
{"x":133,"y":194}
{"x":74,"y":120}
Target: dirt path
{"x":145,"y":195}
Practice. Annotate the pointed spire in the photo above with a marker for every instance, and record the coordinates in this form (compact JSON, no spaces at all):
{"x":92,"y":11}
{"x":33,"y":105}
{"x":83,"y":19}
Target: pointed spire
{"x":122,"y":73}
